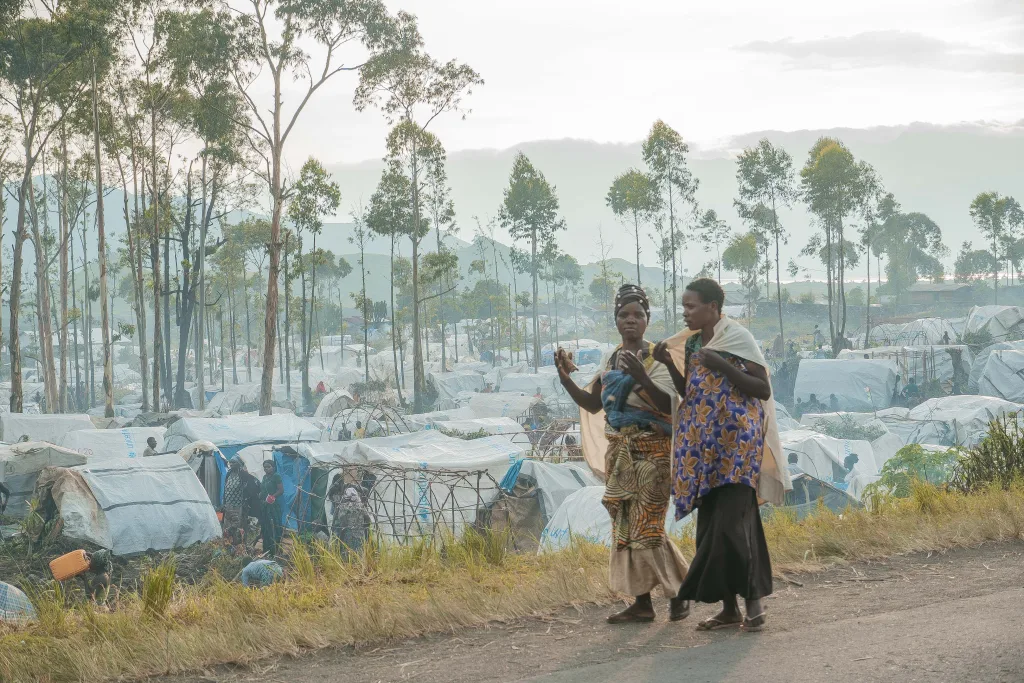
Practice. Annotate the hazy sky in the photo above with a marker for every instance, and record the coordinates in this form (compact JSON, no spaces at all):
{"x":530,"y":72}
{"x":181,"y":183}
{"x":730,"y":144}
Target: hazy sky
{"x":604,"y":70}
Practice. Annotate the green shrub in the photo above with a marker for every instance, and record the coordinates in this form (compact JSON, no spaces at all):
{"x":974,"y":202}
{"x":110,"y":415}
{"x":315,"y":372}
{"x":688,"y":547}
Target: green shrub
{"x":997,"y":460}
{"x":465,"y":436}
{"x":913,"y":463}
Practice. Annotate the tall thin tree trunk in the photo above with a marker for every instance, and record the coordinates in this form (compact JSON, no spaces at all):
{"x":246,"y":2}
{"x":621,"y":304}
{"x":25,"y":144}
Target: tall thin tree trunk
{"x":108,"y":361}
{"x":154,"y":256}
{"x":536,"y":319}
{"x":287,"y":324}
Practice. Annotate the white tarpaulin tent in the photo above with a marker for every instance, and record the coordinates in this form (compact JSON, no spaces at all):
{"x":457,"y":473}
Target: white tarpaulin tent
{"x":529,"y":384}
{"x":128,"y":442}
{"x":131,"y":506}
{"x":1003,"y":323}
{"x":333,"y":403}
{"x":553,"y":482}
{"x":923,"y":363}
{"x":581,"y":515}
{"x":925,"y":332}
{"x":450,"y":384}
{"x":1003,"y":376}
{"x":957,"y":420}
{"x":501,"y":404}
{"x":414,"y":502}
{"x":494,"y":426}
{"x":238,"y":430}
{"x":50,"y":428}
{"x":897,"y":421}
{"x":979,"y":363}
{"x":859,"y":385}
{"x":823,"y":457}
{"x":20,"y":465}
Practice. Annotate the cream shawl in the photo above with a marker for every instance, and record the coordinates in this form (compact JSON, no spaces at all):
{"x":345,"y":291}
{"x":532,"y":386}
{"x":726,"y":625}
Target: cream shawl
{"x":731,"y":337}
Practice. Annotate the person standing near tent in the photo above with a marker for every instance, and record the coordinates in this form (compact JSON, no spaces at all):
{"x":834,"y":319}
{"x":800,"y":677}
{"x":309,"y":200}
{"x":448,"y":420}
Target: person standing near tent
{"x":634,"y":443}
{"x":727,"y":453}
{"x":239,"y":487}
{"x":271,"y":488}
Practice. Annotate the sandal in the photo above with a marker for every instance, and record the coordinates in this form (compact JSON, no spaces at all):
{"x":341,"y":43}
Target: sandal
{"x":754,"y":624}
{"x":627,"y":617}
{"x":713,"y":624}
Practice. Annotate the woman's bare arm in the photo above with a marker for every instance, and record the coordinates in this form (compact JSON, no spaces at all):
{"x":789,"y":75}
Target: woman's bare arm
{"x":754,"y":382}
{"x":590,"y":401}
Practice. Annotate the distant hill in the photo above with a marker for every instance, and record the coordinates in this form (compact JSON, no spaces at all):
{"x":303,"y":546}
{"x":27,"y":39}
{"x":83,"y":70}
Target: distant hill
{"x":933,"y":169}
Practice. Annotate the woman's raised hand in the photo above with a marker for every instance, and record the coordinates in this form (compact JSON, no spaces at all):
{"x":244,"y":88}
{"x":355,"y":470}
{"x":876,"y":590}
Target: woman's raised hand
{"x":661,"y":353}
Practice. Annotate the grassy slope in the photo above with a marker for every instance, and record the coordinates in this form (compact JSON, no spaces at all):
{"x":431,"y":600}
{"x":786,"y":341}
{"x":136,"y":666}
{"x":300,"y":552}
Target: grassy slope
{"x":388,"y":594}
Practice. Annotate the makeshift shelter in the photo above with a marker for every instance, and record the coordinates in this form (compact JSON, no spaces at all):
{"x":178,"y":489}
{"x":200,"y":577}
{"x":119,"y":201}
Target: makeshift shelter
{"x":534,"y":491}
{"x":808,"y":493}
{"x":1003,"y":376}
{"x":925,"y":332}
{"x":582,"y":516}
{"x":949,"y":365}
{"x":501,"y":404}
{"x":20,"y":465}
{"x":957,"y":420}
{"x":210,"y":466}
{"x":492,"y":426}
{"x":128,"y":442}
{"x":333,"y":403}
{"x":231,"y":434}
{"x":824,"y":457}
{"x":1002,"y":323}
{"x":450,"y":385}
{"x":530,"y":384}
{"x":978,"y":367}
{"x":50,"y":428}
{"x":859,"y":385}
{"x":131,"y":506}
{"x":415,"y":485}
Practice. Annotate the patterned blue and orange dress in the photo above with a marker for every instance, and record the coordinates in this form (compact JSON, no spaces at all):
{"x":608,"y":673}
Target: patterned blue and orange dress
{"x":720,"y":435}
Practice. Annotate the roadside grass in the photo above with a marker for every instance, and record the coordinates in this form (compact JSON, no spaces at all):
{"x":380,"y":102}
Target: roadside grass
{"x":386,"y":593}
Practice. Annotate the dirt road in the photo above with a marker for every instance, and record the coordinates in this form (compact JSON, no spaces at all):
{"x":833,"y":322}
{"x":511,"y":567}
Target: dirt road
{"x":927,"y":617}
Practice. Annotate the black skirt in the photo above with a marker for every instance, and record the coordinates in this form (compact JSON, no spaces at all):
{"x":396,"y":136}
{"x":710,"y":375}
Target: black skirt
{"x":732,"y":554}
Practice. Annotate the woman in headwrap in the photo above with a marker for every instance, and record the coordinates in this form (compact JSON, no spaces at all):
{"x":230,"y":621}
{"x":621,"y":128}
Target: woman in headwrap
{"x":726,"y":453}
{"x":635,"y":393}
{"x":271,"y":488}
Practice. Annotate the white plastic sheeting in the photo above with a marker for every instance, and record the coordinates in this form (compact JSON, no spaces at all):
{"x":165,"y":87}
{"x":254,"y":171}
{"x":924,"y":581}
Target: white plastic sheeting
{"x":981,"y":360}
{"x":20,"y":465}
{"x":494,"y":426}
{"x":1003,"y":323}
{"x":128,"y":442}
{"x":501,"y":404}
{"x":333,"y":403}
{"x":924,"y":332}
{"x":131,"y":506}
{"x":450,"y":385}
{"x":556,"y":481}
{"x":416,"y":505}
{"x":956,"y":420}
{"x":1003,"y":376}
{"x":50,"y":428}
{"x":823,"y":457}
{"x":581,"y":515}
{"x":923,"y":363}
{"x":238,"y":430}
{"x":529,"y":384}
{"x":859,"y":385}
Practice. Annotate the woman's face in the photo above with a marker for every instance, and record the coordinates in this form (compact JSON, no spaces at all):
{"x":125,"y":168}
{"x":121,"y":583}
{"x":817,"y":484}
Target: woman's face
{"x":696,"y":314}
{"x":631,"y":320}
{"x":267,"y":467}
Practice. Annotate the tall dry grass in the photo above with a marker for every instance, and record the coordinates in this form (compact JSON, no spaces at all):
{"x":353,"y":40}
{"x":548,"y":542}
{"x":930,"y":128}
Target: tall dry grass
{"x":332,"y":598}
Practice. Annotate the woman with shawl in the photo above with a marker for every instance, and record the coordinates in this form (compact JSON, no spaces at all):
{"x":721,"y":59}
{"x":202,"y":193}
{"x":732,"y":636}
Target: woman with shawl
{"x":725,"y":425}
{"x":634,"y":392}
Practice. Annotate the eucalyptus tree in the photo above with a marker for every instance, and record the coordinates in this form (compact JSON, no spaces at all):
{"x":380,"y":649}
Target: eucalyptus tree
{"x":742,"y":257}
{"x":42,"y":62}
{"x":390,"y":215}
{"x":835,"y":186}
{"x":764,"y":175}
{"x":314,"y":197}
{"x":997,"y":218}
{"x":714,"y":232}
{"x":273,"y":39}
{"x":912,"y":243}
{"x":530,"y":212}
{"x":664,"y":152}
{"x":634,"y":198}
{"x":413,"y":89}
